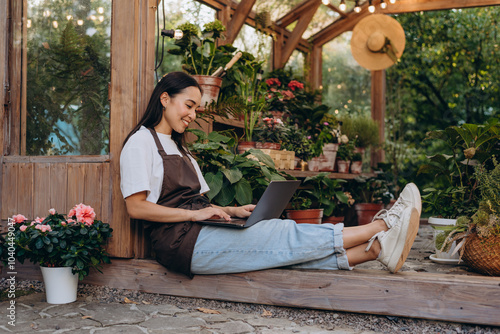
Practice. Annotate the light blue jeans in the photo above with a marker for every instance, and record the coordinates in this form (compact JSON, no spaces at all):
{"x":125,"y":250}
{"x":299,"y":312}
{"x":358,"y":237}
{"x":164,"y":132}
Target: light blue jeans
{"x":269,"y":244}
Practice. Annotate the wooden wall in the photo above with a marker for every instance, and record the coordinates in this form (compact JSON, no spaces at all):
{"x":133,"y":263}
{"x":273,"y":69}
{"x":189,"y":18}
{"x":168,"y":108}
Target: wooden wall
{"x":33,"y":185}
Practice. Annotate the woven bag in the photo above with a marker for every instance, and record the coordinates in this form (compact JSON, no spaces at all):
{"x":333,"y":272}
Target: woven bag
{"x":483,"y":254}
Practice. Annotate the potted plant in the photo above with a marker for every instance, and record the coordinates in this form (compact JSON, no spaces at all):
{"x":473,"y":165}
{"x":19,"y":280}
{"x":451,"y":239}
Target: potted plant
{"x":270,"y":133}
{"x":455,"y":191}
{"x":344,"y":154}
{"x":296,"y":140}
{"x":317,"y":196}
{"x":201,"y":56}
{"x":64,"y":247}
{"x":234,"y":179}
{"x":363,"y":128}
{"x":478,"y":236}
{"x":356,"y":163}
{"x":371,"y":194}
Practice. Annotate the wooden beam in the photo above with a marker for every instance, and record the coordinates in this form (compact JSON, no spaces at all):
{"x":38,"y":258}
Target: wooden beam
{"x":445,"y":297}
{"x":295,"y":13}
{"x":315,"y":73}
{"x":378,"y":85}
{"x":347,"y":23}
{"x":4,"y":78}
{"x":244,"y":8}
{"x":335,"y":9}
{"x":293,"y":41}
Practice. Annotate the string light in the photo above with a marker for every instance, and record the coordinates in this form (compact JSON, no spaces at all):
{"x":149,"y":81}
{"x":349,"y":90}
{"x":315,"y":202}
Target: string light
{"x":357,"y":9}
{"x":100,"y":10}
{"x":342,"y":6}
{"x":383,"y":4}
{"x":371,"y":7}
{"x":79,"y":22}
{"x":392,"y":1}
{"x":325,"y":2}
{"x":69,"y":17}
{"x":55,"y":24}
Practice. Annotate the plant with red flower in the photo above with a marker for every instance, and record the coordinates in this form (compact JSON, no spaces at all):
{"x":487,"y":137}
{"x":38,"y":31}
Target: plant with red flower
{"x":77,"y":241}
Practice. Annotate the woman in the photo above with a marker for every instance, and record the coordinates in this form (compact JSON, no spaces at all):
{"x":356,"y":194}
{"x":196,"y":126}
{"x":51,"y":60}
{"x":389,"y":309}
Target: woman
{"x":162,"y":184}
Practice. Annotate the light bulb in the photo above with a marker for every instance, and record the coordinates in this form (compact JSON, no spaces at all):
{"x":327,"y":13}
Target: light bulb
{"x":100,"y":10}
{"x":383,"y":4}
{"x":342,"y":6}
{"x":371,"y":7}
{"x":178,"y":34}
{"x":392,"y":1}
{"x":55,"y":24}
{"x":357,"y":9}
{"x":79,"y":22}
{"x":69,"y":17}
{"x":325,"y":2}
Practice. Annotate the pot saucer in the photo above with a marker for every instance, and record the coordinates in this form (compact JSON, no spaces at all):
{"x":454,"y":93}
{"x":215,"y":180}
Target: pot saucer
{"x":436,"y":259}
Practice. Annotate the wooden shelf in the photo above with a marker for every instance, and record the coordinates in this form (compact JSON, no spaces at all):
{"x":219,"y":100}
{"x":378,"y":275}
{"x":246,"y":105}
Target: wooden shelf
{"x":232,"y":122}
{"x":304,"y":174}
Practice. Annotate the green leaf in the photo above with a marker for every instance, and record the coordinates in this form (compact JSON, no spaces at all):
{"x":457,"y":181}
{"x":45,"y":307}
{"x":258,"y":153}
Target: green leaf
{"x":244,"y":193}
{"x":225,"y":196}
{"x":46,"y":240}
{"x":233,"y":174}
{"x":215,"y":182}
{"x":39,"y":244}
{"x":83,"y":231}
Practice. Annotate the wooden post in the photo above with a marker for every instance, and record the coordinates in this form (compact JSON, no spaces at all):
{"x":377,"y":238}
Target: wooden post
{"x":315,"y":75}
{"x":378,"y":112}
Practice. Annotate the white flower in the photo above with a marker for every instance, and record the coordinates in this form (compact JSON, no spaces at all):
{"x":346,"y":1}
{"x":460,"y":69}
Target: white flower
{"x":344,"y":139}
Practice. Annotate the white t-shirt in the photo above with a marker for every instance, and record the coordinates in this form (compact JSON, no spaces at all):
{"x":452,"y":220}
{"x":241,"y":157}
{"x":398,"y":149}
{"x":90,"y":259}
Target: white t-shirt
{"x":141,"y":166}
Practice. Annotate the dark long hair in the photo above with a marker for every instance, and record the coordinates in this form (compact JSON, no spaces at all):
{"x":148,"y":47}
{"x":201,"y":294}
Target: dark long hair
{"x":173,"y":83}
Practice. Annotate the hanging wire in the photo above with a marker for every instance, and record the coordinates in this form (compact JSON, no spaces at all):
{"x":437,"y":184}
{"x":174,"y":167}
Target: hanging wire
{"x":158,"y":33}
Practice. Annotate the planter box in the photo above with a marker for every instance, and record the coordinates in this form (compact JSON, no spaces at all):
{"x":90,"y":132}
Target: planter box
{"x":282,"y":159}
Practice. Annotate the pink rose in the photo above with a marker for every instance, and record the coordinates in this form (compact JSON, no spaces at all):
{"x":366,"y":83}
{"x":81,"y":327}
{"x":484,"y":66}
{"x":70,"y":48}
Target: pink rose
{"x":38,"y":227}
{"x":23,"y":228}
{"x":72,"y":213}
{"x":85,"y":214}
{"x":39,"y":220}
{"x":63,"y":223}
{"x":33,"y":223}
{"x":18,"y":219}
{"x":287,"y":94}
{"x":52,"y":211}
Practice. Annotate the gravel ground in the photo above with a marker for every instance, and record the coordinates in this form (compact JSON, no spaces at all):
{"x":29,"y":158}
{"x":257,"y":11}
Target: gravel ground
{"x":326,"y":319}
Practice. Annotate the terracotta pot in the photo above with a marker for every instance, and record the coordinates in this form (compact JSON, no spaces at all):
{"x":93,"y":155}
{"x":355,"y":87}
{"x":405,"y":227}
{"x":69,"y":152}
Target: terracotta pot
{"x":343,"y":166}
{"x":356,"y":167}
{"x":330,"y":154}
{"x":309,"y":216}
{"x":366,"y":211}
{"x":211,"y":87}
{"x":333,"y":220}
{"x":313,"y":164}
{"x":245,"y":146}
{"x":359,"y":150}
{"x":297,"y":162}
{"x":267,"y":145}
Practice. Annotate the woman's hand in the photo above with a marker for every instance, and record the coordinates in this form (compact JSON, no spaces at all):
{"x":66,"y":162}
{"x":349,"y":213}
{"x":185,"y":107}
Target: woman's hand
{"x":209,"y":213}
{"x":242,"y":211}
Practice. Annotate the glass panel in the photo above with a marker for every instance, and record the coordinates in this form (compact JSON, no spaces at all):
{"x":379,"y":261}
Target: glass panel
{"x":296,"y":63}
{"x":68,"y":71}
{"x":346,"y":85}
{"x":255,"y":42}
{"x":176,"y":13}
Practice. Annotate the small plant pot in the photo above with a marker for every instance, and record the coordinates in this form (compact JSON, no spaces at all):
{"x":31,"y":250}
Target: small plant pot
{"x":366,"y":211}
{"x":333,"y":220}
{"x":309,"y":216}
{"x":438,"y":234}
{"x":329,"y":154}
{"x":244,"y":146}
{"x":60,"y":284}
{"x":343,"y":166}
{"x":356,"y":167}
{"x":211,"y":88}
{"x":313,"y":164}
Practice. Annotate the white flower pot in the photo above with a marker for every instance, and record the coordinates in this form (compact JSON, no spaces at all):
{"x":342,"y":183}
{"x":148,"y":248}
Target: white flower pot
{"x":436,"y":224}
{"x":60,"y":284}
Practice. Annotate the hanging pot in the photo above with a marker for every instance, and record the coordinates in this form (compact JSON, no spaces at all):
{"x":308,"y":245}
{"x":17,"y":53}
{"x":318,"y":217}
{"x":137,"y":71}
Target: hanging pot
{"x":60,"y":284}
{"x":309,"y":216}
{"x":211,"y":87}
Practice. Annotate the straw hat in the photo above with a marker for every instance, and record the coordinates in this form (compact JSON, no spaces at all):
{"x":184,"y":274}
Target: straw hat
{"x":377,"y":42}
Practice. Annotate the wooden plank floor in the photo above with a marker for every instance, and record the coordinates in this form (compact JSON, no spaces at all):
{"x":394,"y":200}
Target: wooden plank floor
{"x":456,"y":298}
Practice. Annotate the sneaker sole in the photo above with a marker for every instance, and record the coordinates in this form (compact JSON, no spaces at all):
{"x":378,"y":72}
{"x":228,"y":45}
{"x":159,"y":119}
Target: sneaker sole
{"x":404,"y":249}
{"x":416,"y":196}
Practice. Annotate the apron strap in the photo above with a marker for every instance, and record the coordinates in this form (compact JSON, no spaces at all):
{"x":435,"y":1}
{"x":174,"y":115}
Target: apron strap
{"x":161,"y":151}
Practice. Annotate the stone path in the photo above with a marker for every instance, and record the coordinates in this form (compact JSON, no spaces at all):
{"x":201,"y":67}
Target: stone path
{"x":33,"y":314}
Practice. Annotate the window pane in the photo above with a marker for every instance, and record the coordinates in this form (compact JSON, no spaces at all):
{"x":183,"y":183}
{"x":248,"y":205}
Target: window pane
{"x":68,"y":52}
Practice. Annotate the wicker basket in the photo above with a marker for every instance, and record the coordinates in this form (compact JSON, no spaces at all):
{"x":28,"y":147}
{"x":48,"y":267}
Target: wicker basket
{"x":282,"y":159}
{"x":483,"y":254}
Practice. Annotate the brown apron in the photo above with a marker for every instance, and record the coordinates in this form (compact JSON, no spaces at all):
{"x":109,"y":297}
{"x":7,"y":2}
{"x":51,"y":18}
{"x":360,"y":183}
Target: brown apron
{"x":173,"y":243}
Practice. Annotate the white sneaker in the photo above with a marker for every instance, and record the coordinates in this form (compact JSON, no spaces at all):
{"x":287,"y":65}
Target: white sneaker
{"x":409,"y":197}
{"x":397,"y":241}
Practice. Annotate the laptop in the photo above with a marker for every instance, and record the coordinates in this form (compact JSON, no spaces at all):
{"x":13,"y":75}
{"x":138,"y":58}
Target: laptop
{"x":270,"y":205}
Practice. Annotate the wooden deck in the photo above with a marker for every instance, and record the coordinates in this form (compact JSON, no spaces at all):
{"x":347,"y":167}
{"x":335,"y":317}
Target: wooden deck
{"x":455,"y":298}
